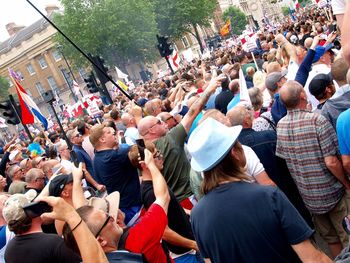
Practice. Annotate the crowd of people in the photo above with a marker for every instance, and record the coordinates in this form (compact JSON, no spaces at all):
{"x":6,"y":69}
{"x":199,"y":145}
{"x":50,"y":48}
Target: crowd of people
{"x":239,"y":157}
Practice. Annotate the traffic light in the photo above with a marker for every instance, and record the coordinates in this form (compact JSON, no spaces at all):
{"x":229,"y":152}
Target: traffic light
{"x":101,"y":63}
{"x":91,"y":83}
{"x":163,"y":46}
{"x":9,"y":112}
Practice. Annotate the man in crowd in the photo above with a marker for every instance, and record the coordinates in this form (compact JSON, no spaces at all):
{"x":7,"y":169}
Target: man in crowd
{"x":30,"y":244}
{"x":82,"y":156}
{"x":309,"y":145}
{"x":144,"y":237}
{"x":253,"y":215}
{"x":35,"y":179}
{"x":113,"y":168}
{"x":171,"y":144}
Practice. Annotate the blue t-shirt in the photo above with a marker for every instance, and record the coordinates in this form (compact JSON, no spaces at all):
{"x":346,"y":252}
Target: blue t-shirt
{"x":278,"y":110}
{"x":114,"y":170}
{"x":83,"y":156}
{"x":236,"y":99}
{"x":343,"y":127}
{"x":258,"y":224}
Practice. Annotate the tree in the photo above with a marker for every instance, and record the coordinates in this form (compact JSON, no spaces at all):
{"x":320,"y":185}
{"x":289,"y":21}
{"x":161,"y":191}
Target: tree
{"x":4,"y":86}
{"x":174,"y":18}
{"x":285,"y":10}
{"x":120,"y":31}
{"x":238,"y":19}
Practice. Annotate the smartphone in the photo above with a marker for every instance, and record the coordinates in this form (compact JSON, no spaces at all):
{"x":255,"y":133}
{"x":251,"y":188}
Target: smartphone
{"x":141,"y":146}
{"x":36,"y":209}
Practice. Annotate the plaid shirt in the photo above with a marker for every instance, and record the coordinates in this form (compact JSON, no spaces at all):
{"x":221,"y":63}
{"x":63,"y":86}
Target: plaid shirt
{"x":304,"y":139}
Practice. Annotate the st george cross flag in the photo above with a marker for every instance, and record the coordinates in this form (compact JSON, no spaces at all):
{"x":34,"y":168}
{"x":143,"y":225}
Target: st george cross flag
{"x":30,"y":111}
{"x":174,"y":60}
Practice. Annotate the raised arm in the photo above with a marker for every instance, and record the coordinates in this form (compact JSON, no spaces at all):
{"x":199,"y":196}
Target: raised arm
{"x":90,"y":249}
{"x":199,"y":104}
{"x":160,"y":187}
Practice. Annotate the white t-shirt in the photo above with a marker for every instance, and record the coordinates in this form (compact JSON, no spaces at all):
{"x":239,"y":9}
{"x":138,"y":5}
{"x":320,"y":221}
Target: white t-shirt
{"x":253,"y":166}
{"x":316,"y":69}
{"x":338,"y":7}
{"x":132,"y":133}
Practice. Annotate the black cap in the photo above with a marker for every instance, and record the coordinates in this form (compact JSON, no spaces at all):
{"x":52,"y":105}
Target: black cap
{"x":58,"y":183}
{"x":319,"y":84}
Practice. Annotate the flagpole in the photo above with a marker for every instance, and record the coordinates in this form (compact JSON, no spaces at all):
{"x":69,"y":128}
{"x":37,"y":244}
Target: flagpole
{"x":256,"y":65}
{"x":80,"y":50}
{"x":16,"y":111}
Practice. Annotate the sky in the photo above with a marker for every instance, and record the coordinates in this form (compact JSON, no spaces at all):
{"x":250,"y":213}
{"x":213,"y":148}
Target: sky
{"x":20,"y":12}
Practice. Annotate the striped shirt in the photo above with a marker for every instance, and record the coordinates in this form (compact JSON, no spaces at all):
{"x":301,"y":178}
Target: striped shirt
{"x":304,"y":139}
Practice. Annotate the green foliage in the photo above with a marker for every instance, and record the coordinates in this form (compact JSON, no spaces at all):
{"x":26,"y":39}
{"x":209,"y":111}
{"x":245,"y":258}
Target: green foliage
{"x":238,"y":19}
{"x":120,"y":31}
{"x":175,"y":17}
{"x":4,"y":86}
{"x":285,"y":10}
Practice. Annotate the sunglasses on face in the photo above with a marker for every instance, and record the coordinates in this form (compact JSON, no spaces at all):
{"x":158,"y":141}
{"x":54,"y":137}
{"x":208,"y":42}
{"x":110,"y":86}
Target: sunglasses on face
{"x":104,"y":225}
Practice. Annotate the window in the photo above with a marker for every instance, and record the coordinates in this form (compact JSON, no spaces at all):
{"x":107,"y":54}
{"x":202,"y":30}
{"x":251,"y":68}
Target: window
{"x":52,"y":83}
{"x":67,"y":76}
{"x":30,"y":69}
{"x":40,"y":88}
{"x":185,"y":42}
{"x":56,"y":55}
{"x":29,"y":93}
{"x":83,"y":73}
{"x":193,"y":39}
{"x":42,"y":62}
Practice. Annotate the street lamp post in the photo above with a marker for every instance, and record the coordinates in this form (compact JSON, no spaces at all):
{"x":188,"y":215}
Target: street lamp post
{"x":59,"y":47}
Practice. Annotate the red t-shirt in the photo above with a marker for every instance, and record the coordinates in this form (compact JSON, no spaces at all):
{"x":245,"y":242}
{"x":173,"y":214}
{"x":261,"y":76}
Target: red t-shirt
{"x":145,"y":236}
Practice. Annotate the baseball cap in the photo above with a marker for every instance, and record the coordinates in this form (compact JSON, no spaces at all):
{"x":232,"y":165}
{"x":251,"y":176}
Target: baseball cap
{"x":58,"y":183}
{"x":321,"y":50}
{"x":210,"y":142}
{"x":272,"y":79}
{"x":319,"y":84}
{"x":108,"y":204}
{"x":13,"y":207}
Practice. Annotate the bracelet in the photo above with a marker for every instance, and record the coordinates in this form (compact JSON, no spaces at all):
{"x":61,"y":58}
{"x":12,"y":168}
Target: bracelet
{"x":81,"y":220}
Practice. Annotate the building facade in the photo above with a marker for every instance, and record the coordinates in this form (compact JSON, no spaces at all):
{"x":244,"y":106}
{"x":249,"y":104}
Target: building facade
{"x":254,"y":9}
{"x":33,"y":54}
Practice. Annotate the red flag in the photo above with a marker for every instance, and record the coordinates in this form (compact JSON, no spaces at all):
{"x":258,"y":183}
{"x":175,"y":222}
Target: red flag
{"x":27,"y":116}
{"x":297,"y":4}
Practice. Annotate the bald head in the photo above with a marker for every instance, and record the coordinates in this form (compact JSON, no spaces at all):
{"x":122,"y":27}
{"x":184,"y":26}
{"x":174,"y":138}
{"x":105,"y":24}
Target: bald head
{"x":234,"y":86}
{"x":308,"y":42}
{"x":291,"y":94}
{"x":240,"y":115}
{"x":151,"y":128}
{"x":273,"y":67}
{"x":128,"y":120}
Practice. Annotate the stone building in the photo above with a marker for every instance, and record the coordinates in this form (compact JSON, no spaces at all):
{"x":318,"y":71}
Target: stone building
{"x":32,"y":53}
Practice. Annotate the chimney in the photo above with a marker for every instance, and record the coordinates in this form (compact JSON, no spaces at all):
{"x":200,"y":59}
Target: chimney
{"x":12,"y":28}
{"x":50,"y":9}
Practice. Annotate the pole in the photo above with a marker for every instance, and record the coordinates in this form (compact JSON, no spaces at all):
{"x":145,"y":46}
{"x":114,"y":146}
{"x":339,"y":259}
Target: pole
{"x":69,"y":144}
{"x":81,"y":51}
{"x":15,"y":109}
{"x":70,"y":87}
{"x":65,"y":60}
{"x":169,"y":65}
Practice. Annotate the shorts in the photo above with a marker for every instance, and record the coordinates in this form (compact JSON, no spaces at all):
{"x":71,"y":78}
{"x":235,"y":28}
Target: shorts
{"x":329,"y":225}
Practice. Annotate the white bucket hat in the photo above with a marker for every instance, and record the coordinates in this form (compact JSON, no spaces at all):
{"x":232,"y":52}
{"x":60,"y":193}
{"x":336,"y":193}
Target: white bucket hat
{"x":108,"y":204}
{"x":210,"y":142}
